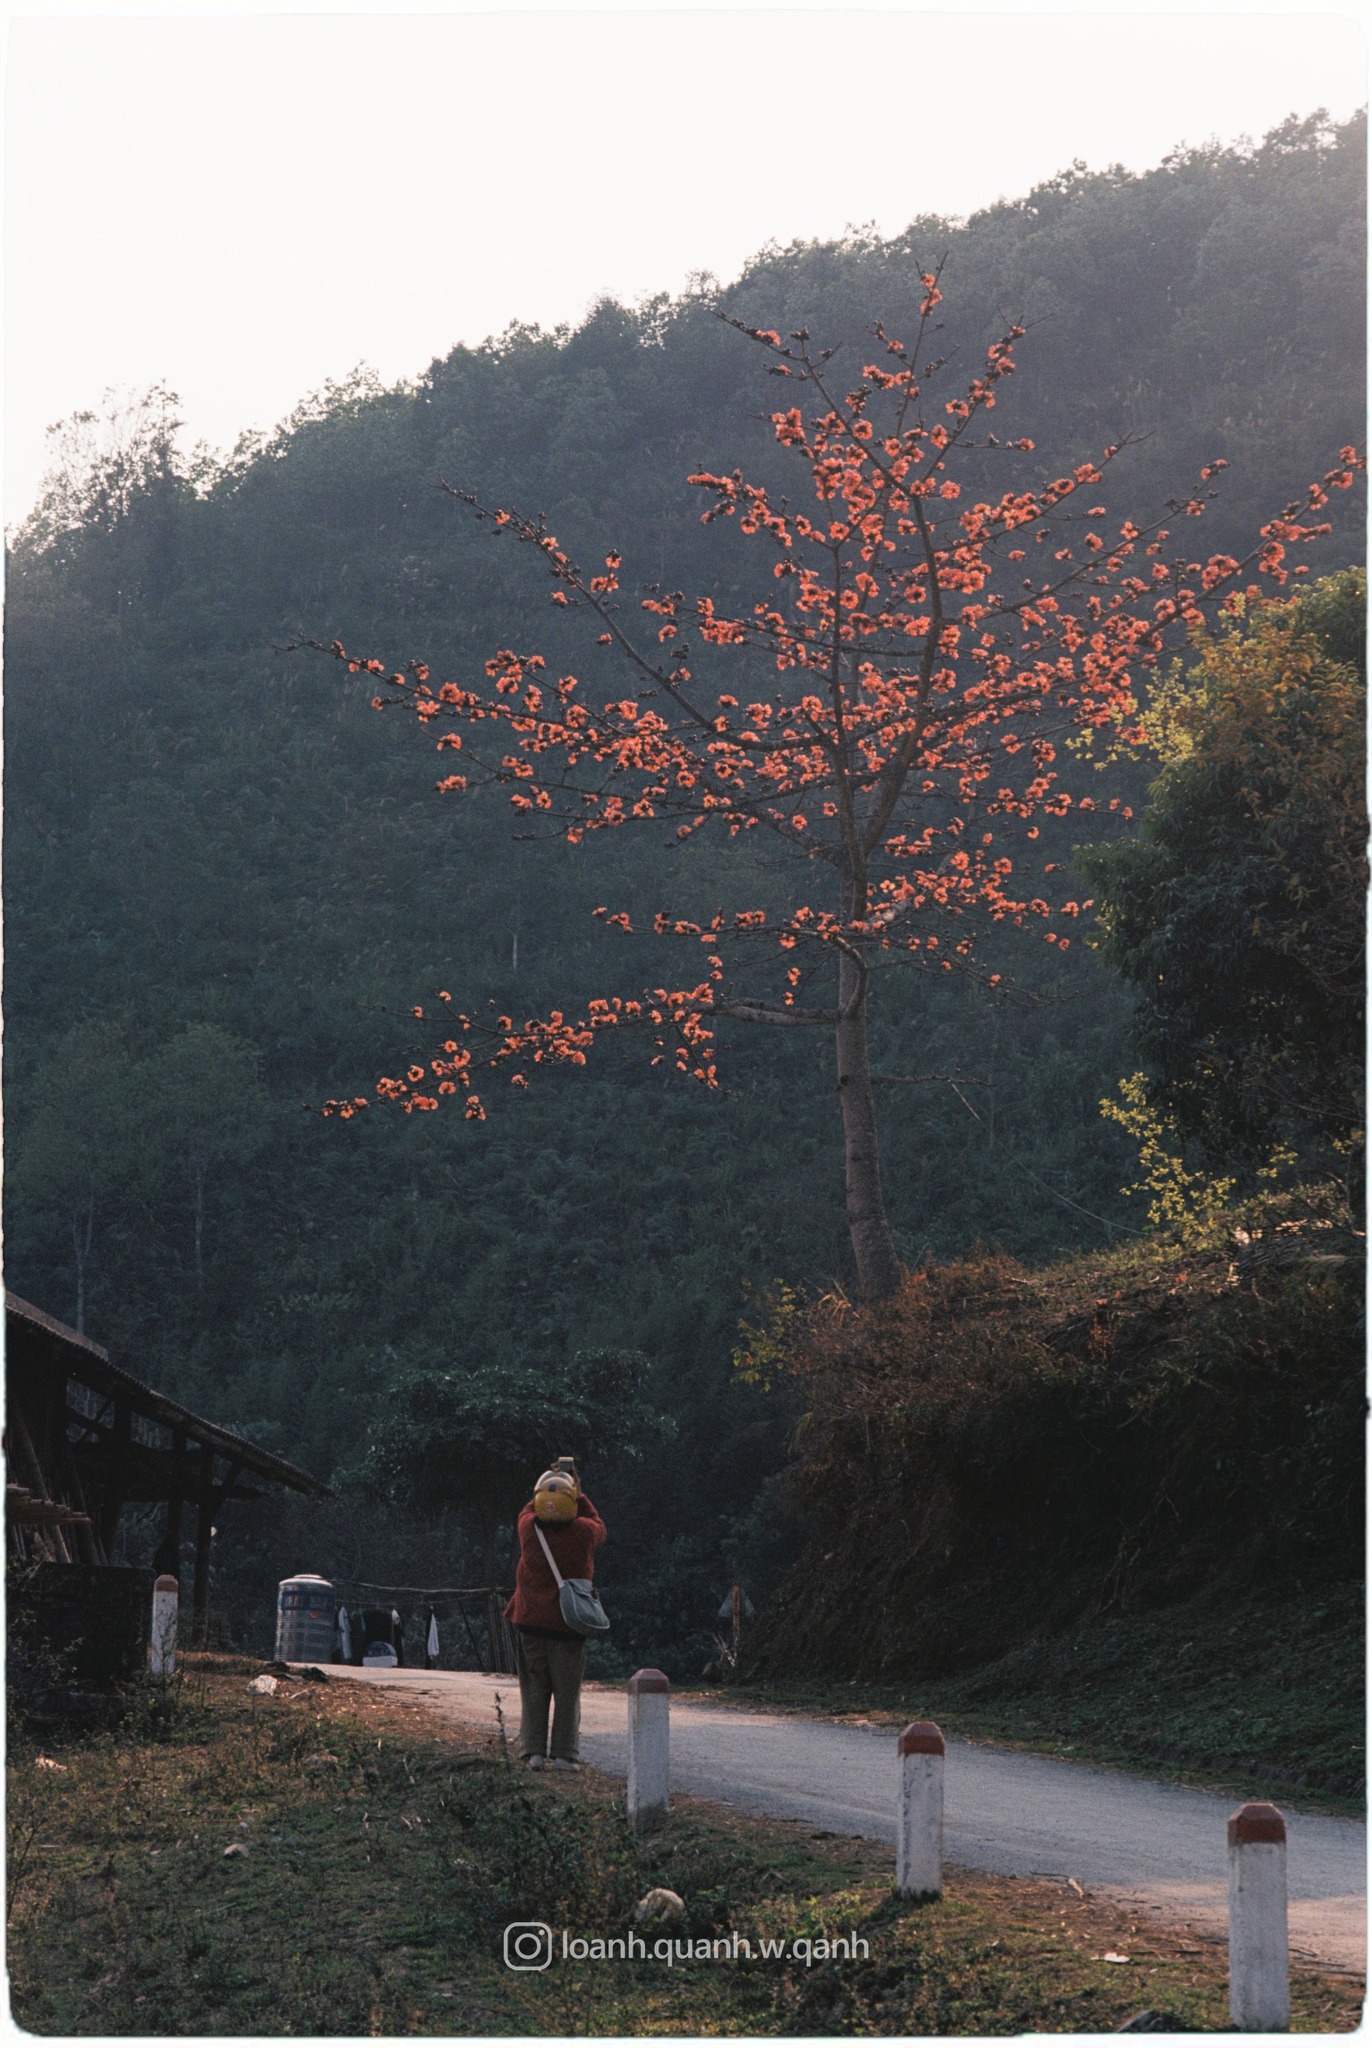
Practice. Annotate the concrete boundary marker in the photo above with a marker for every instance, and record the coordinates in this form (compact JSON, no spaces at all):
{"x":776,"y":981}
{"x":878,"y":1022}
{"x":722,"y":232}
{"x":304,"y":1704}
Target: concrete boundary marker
{"x":649,"y":1748}
{"x":166,"y":1600}
{"x":919,"y":1810}
{"x":1259,"y":1966}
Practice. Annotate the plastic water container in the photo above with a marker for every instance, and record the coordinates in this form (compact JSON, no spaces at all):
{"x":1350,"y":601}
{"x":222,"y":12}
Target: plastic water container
{"x":305,"y":1616}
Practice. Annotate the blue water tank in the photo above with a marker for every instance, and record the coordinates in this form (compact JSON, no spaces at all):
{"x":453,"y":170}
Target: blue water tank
{"x":305,"y":1615}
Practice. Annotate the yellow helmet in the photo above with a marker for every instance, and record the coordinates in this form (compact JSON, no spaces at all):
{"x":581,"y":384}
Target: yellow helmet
{"x":555,"y":1497}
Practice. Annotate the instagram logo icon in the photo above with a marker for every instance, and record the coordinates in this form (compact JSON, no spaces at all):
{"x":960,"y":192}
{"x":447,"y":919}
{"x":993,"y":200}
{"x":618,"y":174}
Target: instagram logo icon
{"x":528,"y":1945}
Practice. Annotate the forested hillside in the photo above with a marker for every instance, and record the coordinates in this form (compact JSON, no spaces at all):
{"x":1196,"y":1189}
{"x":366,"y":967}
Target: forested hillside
{"x":229,"y":879}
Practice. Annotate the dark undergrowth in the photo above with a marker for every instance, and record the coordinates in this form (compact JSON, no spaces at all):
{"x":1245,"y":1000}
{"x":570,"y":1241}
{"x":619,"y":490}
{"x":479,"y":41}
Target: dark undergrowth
{"x":321,"y":1862}
{"x":1115,"y":1505}
{"x":1262,"y":1701}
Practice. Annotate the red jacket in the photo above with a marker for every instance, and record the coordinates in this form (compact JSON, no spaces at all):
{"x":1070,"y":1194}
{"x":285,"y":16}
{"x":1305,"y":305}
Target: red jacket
{"x":534,"y":1603}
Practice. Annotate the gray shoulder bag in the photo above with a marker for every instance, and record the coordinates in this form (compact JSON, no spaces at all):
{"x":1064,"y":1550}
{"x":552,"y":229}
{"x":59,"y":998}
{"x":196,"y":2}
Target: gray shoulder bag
{"x":578,"y":1599}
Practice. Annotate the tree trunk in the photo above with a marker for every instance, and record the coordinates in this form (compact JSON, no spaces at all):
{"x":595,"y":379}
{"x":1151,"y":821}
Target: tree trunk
{"x":488,"y":1532}
{"x":878,"y":1269}
{"x":81,"y":1245}
{"x":198,"y":1205}
{"x":498,"y":1641}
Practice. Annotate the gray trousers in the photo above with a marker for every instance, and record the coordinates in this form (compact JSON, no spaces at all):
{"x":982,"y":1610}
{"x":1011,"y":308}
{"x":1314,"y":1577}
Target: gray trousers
{"x":550,"y":1672}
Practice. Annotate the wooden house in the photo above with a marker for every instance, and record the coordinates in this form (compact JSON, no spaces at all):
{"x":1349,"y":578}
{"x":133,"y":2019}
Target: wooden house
{"x":85,"y":1439}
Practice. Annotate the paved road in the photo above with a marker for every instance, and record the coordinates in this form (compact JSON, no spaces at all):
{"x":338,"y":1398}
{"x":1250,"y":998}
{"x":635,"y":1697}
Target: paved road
{"x":1158,"y":1848}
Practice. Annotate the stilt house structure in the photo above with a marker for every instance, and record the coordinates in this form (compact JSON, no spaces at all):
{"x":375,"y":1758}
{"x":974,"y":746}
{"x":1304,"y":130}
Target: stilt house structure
{"x":85,"y":1439}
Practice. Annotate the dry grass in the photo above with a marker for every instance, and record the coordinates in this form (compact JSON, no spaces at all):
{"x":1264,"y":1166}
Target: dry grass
{"x":384,"y":1854}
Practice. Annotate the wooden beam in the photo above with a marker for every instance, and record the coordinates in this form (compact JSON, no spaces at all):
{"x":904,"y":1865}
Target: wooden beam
{"x":28,"y":1456}
{"x":148,"y":1470}
{"x":26,"y":1508}
{"x":150,"y":1475}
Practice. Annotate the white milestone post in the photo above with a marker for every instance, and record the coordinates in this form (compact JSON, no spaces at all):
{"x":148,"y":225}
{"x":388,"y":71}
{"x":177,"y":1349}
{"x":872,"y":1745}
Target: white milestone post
{"x":649,"y":1708}
{"x":1259,"y":1980}
{"x":919,"y":1814}
{"x":166,"y":1598}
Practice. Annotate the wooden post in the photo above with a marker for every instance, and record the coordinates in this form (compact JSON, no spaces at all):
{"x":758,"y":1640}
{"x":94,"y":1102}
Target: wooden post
{"x":112,"y":1500}
{"x":1259,"y":1982}
{"x":166,"y":1596}
{"x":210,"y":1505}
{"x":649,"y":1748}
{"x":200,"y":1613}
{"x":168,"y":1558}
{"x":919,"y":1811}
{"x":84,"y":1538}
{"x":500,"y":1643}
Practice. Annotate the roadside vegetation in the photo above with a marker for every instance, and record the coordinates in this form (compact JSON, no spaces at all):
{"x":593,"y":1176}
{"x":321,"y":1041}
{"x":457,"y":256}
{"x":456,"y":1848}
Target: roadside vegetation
{"x":324,"y":1861}
{"x":1265,"y":1706}
{"x":1111,"y":1507}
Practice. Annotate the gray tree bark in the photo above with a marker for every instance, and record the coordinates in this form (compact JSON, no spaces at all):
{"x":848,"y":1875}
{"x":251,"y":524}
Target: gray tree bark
{"x":874,"y":1252}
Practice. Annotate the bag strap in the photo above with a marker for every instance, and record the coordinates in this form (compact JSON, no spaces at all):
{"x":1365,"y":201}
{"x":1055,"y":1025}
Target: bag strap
{"x":552,"y":1561}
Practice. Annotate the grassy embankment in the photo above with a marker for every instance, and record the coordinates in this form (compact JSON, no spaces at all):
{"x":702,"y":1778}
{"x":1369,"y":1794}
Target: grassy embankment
{"x":1189,"y":1695}
{"x":1111,"y":1508}
{"x":382,"y":1858}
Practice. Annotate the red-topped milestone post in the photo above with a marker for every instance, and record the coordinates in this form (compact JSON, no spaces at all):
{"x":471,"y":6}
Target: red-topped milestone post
{"x":1259,"y":1983}
{"x":649,"y":1707}
{"x":919,"y":1814}
{"x":166,"y":1598}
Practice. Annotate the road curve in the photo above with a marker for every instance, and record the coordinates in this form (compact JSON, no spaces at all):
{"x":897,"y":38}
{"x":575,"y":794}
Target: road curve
{"x":1159,"y":1849}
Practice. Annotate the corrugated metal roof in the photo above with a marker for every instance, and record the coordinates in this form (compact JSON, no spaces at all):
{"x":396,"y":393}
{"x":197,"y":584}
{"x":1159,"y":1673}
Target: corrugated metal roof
{"x":92,"y":1365}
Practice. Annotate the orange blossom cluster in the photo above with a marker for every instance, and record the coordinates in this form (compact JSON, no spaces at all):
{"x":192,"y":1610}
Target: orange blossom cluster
{"x":894,"y":705}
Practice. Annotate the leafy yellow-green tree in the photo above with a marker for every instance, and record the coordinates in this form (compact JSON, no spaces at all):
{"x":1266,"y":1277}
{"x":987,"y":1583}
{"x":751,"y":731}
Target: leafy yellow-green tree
{"x":1177,"y":1197}
{"x":1237,"y":911}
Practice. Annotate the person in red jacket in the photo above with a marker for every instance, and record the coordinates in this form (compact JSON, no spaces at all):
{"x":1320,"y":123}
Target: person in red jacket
{"x":551,"y":1659}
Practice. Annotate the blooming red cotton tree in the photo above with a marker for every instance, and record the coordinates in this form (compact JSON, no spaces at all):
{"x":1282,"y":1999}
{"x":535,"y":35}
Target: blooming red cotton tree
{"x":891,"y":711}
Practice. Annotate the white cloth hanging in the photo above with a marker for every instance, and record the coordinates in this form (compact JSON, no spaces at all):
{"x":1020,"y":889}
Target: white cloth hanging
{"x":345,"y":1635}
{"x":431,"y":1645}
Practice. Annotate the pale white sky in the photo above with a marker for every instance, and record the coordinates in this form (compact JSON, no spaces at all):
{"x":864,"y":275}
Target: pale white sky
{"x":243,"y":204}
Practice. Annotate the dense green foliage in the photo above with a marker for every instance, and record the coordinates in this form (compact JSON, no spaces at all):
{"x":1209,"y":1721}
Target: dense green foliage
{"x":472,"y":1438}
{"x":1238,"y":912}
{"x":228,"y":881}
